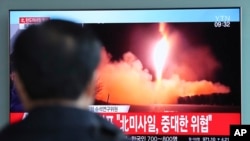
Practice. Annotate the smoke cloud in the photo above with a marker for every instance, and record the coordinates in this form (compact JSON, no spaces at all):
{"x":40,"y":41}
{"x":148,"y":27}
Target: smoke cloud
{"x":127,"y":82}
{"x":191,"y":62}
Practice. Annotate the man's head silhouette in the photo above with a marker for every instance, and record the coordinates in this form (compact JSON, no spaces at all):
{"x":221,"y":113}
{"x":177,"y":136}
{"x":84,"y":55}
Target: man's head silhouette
{"x":55,"y":63}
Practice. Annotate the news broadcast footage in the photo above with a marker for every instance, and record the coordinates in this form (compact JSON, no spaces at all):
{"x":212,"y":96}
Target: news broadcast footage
{"x":163,"y":80}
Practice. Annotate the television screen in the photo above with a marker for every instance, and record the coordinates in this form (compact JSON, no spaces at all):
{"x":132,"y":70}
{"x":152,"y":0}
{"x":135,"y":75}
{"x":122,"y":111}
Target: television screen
{"x":165,"y":74}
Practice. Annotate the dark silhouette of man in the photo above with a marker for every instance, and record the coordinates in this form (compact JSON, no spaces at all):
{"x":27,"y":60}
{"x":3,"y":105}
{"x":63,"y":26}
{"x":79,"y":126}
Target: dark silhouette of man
{"x":55,"y":66}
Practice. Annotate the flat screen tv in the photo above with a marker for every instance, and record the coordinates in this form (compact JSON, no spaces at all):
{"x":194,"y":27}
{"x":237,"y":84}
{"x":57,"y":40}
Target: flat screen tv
{"x":165,"y":74}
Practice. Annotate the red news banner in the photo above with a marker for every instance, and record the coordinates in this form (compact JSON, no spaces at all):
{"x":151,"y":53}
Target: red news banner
{"x":167,"y":123}
{"x":24,"y":22}
{"x":174,"y":123}
{"x":32,"y":20}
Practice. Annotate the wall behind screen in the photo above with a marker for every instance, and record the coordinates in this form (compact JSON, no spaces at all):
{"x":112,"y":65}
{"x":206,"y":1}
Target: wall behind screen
{"x":5,"y":5}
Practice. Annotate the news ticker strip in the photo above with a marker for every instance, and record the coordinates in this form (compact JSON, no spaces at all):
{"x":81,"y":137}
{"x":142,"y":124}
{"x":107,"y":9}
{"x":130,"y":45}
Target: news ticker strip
{"x":239,"y":132}
{"x":176,"y":138}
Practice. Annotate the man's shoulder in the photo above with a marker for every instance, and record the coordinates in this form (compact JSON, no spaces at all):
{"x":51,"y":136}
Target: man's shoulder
{"x":20,"y":133}
{"x":9,"y":132}
{"x":97,"y":129}
{"x":109,"y":132}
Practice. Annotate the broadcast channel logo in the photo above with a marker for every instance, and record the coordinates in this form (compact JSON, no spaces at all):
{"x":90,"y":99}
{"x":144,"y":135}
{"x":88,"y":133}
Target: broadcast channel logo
{"x":239,"y":132}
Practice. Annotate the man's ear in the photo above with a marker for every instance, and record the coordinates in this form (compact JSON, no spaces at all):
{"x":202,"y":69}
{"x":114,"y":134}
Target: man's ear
{"x":12,"y":75}
{"x":88,"y":95}
{"x":91,"y":88}
{"x":21,"y":91}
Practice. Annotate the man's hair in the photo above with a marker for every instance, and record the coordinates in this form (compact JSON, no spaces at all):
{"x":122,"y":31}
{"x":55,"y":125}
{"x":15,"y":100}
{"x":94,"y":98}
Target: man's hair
{"x":56,"y":59}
